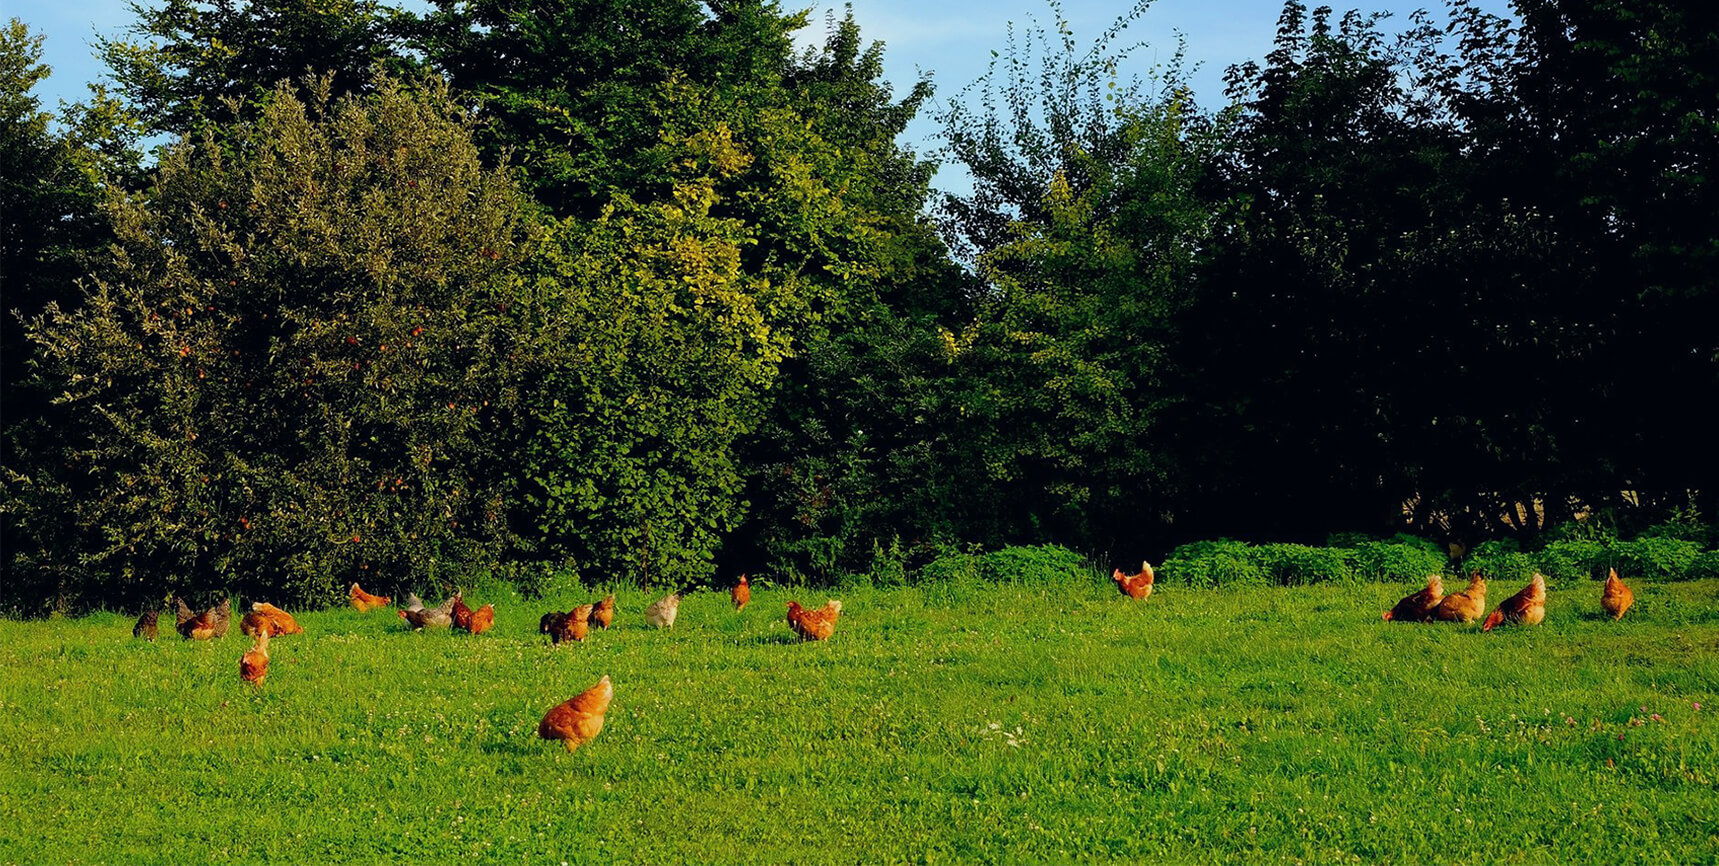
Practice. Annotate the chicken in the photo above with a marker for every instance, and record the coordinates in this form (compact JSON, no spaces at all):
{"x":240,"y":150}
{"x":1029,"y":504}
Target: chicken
{"x":1617,"y":597}
{"x":573,"y":625}
{"x":604,"y":613}
{"x":266,"y":617}
{"x":254,"y":664}
{"x":1527,"y":607}
{"x":1465,"y":606}
{"x":461,"y":614}
{"x":1137,"y":586}
{"x":419,"y":616}
{"x":741,"y":594}
{"x":578,"y":721}
{"x":363,"y":601}
{"x":211,"y":623}
{"x":550,"y":622}
{"x":1418,"y":607}
{"x":662,"y":612}
{"x":483,"y":619}
{"x":146,"y":627}
{"x":814,"y":624}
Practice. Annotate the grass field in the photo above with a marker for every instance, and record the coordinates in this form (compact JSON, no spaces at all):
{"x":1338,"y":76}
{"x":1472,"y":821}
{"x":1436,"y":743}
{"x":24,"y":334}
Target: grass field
{"x":945,"y":723}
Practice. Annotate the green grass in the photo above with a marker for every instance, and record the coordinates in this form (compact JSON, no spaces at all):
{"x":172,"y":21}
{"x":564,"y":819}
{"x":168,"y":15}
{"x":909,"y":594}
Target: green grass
{"x":945,"y":723}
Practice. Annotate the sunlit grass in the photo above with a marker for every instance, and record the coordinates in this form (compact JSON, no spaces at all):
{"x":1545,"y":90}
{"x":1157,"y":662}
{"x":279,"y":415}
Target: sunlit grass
{"x":952,"y":722}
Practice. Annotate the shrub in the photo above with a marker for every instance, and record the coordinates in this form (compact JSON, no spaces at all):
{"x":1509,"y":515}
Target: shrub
{"x":1213,"y":563}
{"x":1046,"y":563}
{"x":1395,"y":561}
{"x":1501,"y":560}
{"x":1299,"y":564}
{"x":1656,"y":558}
{"x":953,"y":565}
{"x":1575,"y":559}
{"x":1705,"y":566}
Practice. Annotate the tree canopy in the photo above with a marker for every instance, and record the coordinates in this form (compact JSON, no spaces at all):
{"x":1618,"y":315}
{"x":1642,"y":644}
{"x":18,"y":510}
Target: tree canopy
{"x":643,"y":292}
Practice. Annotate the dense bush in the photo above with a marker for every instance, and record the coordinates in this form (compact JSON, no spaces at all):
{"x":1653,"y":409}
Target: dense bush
{"x":1213,"y":563}
{"x":284,"y":375}
{"x":1396,"y":560}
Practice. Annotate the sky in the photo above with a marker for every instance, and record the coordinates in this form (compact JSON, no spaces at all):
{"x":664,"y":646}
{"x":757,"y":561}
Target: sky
{"x":951,"y":40}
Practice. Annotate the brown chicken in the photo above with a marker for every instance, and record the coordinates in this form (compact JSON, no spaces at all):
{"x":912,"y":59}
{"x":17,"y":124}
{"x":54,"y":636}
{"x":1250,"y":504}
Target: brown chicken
{"x":578,"y":721}
{"x":741,"y":594}
{"x":1465,"y":606}
{"x":1527,"y":607}
{"x":1617,"y":597}
{"x":663,"y":611}
{"x":254,"y":664}
{"x":1137,"y":586}
{"x":266,"y":617}
{"x":146,"y":625}
{"x":212,"y":623}
{"x":483,"y":619}
{"x":574,"y":625}
{"x":814,"y":624}
{"x":363,"y":601}
{"x":604,"y":613}
{"x":462,"y":615}
{"x":419,"y":616}
{"x":1418,"y":606}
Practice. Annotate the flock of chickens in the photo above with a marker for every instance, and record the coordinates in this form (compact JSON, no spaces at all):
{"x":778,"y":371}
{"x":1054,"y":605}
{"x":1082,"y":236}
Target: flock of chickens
{"x":573,"y":722}
{"x":577,"y":721}
{"x":1527,"y":607}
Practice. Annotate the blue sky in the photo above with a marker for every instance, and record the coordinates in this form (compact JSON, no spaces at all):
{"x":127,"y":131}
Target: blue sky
{"x":952,"y":40}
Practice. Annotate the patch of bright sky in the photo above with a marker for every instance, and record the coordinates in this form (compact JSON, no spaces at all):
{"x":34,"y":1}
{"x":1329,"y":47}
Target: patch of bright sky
{"x":951,"y":41}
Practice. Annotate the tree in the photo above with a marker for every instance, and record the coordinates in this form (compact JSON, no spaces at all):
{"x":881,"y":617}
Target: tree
{"x":183,"y":61}
{"x":283,"y":375}
{"x":1088,"y":223}
{"x":656,"y":354}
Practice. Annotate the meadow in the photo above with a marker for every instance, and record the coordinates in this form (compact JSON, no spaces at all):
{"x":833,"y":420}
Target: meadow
{"x":948,"y":722}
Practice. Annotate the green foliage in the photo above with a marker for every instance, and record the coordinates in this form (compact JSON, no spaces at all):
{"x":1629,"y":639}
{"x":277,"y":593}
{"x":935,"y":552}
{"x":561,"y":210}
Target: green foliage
{"x":1206,"y":564}
{"x":1035,"y":564}
{"x":1657,"y":558}
{"x":1576,"y":559}
{"x":1400,"y":559}
{"x":656,"y":349}
{"x":183,"y":61}
{"x":1086,"y":225}
{"x":1500,"y":560}
{"x":288,"y":370}
{"x":954,"y":567}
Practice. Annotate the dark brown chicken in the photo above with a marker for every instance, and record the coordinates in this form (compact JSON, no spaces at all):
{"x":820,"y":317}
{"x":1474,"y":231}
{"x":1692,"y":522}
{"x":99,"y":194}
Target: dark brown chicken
{"x":550,"y":622}
{"x":462,"y":615}
{"x":578,"y":721}
{"x":1418,"y":606}
{"x":814,"y":624}
{"x":146,"y":627}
